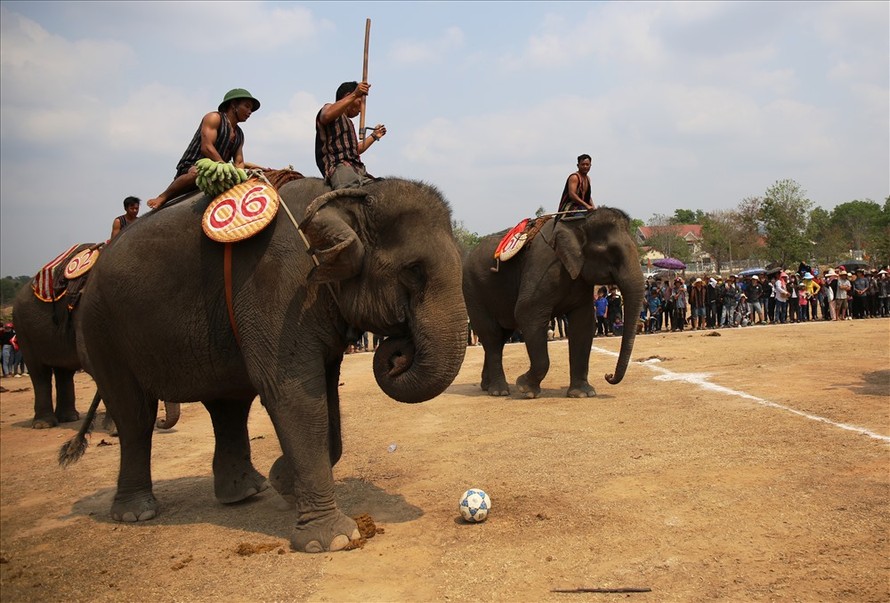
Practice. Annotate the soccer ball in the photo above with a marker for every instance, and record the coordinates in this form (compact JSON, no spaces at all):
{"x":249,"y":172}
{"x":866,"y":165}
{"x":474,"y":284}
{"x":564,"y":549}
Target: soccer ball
{"x":474,"y":505}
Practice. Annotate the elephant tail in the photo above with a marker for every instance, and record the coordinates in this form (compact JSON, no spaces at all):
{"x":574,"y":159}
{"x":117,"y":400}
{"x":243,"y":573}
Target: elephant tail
{"x":73,"y":449}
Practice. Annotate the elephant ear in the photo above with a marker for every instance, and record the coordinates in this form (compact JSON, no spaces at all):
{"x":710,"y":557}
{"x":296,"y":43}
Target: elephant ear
{"x":337,"y":248}
{"x":568,"y":240}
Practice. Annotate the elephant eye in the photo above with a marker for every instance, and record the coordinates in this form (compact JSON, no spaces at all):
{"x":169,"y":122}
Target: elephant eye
{"x":413,"y":276}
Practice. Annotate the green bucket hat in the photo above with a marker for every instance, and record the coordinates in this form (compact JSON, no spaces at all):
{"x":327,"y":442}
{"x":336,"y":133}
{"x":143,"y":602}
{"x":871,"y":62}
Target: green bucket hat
{"x":237,"y":93}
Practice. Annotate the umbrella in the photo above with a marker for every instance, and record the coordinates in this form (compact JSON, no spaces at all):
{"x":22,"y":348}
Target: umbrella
{"x":752,"y":272}
{"x":670,"y":264}
{"x":853,"y":264}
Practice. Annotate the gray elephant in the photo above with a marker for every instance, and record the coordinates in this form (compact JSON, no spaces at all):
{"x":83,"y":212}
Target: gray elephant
{"x":162,"y":317}
{"x":553,"y":275}
{"x":45,"y":334}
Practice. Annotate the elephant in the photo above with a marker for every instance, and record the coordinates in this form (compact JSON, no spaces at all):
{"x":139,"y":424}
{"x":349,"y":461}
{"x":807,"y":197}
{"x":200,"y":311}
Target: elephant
{"x":45,"y":334}
{"x":553,"y":275}
{"x":165,"y":315}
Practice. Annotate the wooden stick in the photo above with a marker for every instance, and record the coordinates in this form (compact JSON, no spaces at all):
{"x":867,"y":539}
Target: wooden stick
{"x":602,"y":590}
{"x":361,"y":123}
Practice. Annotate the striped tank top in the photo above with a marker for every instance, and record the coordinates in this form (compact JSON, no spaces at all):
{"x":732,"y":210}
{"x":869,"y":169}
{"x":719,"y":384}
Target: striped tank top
{"x":225,"y":147}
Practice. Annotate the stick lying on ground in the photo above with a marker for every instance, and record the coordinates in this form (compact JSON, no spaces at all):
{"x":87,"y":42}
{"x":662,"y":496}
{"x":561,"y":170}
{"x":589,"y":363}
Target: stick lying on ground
{"x":644,"y":589}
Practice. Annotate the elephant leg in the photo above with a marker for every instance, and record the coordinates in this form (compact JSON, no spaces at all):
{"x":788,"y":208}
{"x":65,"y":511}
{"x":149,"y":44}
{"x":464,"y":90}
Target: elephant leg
{"x":42,"y":382}
{"x":65,"y":409}
{"x":539,"y":362}
{"x":234,"y":476}
{"x":300,"y":415}
{"x":580,"y":340}
{"x":335,"y":438}
{"x":494,"y":381}
{"x":134,"y":500}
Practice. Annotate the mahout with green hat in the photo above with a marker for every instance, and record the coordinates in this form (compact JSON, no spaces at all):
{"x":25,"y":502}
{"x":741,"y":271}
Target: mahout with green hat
{"x":235,"y":94}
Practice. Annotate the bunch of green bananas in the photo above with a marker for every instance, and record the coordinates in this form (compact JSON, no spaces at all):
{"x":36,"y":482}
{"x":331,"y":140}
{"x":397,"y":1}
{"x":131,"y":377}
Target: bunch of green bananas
{"x":216,"y":177}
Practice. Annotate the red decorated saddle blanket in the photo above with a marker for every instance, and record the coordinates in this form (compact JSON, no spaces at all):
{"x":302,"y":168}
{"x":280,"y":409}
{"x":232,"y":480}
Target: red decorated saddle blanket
{"x":519,"y":236}
{"x":51,"y":282}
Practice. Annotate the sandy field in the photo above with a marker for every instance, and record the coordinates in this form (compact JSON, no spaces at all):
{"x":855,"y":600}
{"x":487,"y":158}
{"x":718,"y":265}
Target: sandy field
{"x":753,"y":465}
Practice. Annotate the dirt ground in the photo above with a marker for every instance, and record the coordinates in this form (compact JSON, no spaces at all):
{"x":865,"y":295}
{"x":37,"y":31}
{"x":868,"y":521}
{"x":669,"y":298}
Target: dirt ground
{"x":749,"y":466}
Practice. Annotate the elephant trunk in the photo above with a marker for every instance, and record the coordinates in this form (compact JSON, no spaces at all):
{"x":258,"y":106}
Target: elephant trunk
{"x":172,"y":411}
{"x":632,"y":286}
{"x":421,"y":366}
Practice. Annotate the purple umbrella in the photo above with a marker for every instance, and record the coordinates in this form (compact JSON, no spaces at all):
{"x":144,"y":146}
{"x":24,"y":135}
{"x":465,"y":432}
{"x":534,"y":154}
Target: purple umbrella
{"x":669,"y":264}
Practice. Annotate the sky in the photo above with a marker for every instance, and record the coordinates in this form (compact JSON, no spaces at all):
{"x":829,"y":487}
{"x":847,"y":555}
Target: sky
{"x":681,"y":105}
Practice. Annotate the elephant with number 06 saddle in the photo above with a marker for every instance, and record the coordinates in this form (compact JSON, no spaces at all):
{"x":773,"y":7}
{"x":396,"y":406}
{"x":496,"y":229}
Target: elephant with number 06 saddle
{"x":553,"y":275}
{"x":166,"y":315}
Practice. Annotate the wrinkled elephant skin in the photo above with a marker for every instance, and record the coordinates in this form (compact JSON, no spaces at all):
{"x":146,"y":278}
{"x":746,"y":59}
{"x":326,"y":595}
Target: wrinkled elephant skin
{"x":386,"y":263}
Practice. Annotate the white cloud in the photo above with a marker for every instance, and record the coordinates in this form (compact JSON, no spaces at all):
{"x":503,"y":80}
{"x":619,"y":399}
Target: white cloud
{"x":429,"y":50}
{"x":44,"y":70}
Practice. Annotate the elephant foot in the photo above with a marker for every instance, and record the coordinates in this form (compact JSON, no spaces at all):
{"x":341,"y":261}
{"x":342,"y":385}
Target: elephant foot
{"x":137,"y":508}
{"x":109,"y":426}
{"x":68,"y":416}
{"x":531,"y":391}
{"x":581,"y":391}
{"x":239,"y":486}
{"x":331,"y":532}
{"x":45,"y":422}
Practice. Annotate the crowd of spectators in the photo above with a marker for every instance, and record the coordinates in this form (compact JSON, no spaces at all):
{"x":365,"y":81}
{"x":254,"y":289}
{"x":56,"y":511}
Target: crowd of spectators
{"x":776,"y":297}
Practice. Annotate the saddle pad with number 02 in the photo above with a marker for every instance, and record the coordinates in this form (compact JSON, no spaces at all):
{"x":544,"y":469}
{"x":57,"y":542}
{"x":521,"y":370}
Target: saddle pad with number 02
{"x":241,"y":212}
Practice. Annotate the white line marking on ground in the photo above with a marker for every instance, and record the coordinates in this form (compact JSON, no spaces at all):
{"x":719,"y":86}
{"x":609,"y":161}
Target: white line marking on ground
{"x":701,"y":380}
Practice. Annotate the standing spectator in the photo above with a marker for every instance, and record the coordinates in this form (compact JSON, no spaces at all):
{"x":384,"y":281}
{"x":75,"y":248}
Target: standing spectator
{"x":812,"y":292}
{"x":755,"y":295}
{"x":766,"y":292}
{"x":802,"y":303}
{"x":844,"y":286}
{"x":860,"y":291}
{"x":793,"y":304}
{"x":883,"y":293}
{"x":711,"y":303}
{"x":698,"y":302}
{"x":678,"y":297}
{"x":873,"y":294}
{"x":721,"y":293}
{"x":731,"y":295}
{"x":655,"y":308}
{"x":829,"y":288}
{"x":615,"y":311}
{"x":667,"y":305}
{"x":8,"y":353}
{"x":601,"y":304}
{"x":782,"y":296}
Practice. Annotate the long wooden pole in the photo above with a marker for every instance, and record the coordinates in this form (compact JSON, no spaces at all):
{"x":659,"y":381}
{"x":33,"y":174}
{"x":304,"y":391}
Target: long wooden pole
{"x":361,"y":123}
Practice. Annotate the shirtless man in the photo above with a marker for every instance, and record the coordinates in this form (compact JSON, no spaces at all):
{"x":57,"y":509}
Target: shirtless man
{"x":131,"y":209}
{"x":219,"y":137}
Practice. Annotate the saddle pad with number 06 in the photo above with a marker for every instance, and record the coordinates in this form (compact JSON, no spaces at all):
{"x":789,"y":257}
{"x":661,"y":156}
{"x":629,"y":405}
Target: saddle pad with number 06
{"x":241,"y":212}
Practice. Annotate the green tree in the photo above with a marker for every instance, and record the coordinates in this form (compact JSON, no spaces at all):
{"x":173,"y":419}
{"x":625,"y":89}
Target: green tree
{"x":687,"y":216}
{"x":826,"y":238}
{"x":784,"y":212}
{"x":9,"y":286}
{"x":465,"y":239}
{"x":859,"y":221}
{"x":724,"y":237}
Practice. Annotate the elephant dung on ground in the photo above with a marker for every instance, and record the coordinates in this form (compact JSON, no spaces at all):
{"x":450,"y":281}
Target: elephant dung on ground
{"x":45,"y":333}
{"x":155,"y":324}
{"x":553,"y":275}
